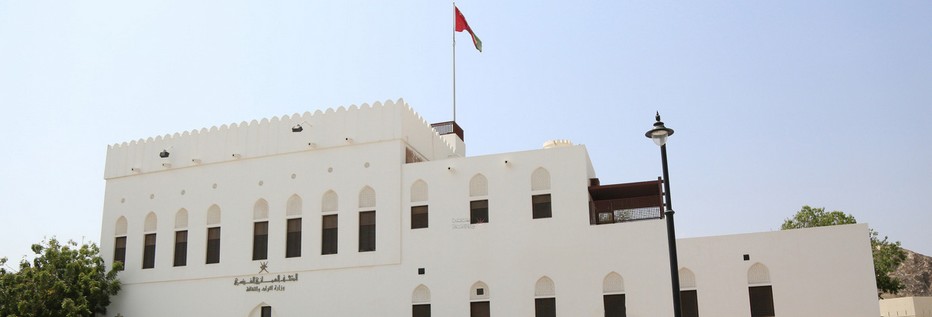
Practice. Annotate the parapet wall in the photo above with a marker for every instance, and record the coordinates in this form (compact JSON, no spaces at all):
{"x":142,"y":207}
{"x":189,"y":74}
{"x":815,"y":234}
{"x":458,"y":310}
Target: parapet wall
{"x":322,"y":129}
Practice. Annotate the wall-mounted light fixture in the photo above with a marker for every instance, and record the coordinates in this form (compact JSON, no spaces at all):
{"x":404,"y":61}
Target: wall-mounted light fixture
{"x":196,"y":161}
{"x":349,"y":140}
{"x":299,"y":127}
{"x":135,"y":170}
{"x":164,"y":154}
{"x":237,"y":155}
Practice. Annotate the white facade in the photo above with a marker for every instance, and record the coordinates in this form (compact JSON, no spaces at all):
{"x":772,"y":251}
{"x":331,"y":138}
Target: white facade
{"x":354,"y":160}
{"x":906,"y":307}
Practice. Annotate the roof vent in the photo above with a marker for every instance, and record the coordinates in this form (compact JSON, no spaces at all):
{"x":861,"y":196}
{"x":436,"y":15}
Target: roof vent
{"x":557,"y":143}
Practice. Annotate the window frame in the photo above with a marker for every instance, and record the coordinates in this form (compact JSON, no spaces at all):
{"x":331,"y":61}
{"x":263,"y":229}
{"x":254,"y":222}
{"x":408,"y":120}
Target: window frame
{"x":181,"y":248}
{"x":293,"y":233}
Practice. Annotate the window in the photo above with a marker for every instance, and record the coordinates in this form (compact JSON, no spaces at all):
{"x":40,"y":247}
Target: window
{"x":213,"y":245}
{"x":761,"y":301}
{"x":419,"y":217}
{"x":479,"y":211}
{"x":545,"y":302}
{"x":260,"y":240}
{"x":181,"y":248}
{"x":420,"y":310}
{"x":266,"y":311}
{"x":329,"y":235}
{"x":119,"y":250}
{"x":367,"y":231}
{"x":614,"y":305}
{"x":148,"y":253}
{"x":689,"y":303}
{"x":545,"y":307}
{"x":293,"y":239}
{"x":541,"y":206}
{"x":420,"y":302}
{"x":479,"y":309}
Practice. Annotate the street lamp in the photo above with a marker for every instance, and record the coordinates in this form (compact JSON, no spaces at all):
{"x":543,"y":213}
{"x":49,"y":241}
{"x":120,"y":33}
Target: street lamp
{"x":659,"y":134}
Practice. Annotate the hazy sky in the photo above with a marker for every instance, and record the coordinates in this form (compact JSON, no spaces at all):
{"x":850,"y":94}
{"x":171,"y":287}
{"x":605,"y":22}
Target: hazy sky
{"x":776,"y":104}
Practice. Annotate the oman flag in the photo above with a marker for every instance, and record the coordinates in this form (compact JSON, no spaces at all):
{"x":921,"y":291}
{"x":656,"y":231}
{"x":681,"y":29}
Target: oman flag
{"x":462,"y":25}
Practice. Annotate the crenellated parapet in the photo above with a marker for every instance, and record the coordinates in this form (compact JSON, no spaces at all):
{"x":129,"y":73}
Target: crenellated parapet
{"x":381,"y":121}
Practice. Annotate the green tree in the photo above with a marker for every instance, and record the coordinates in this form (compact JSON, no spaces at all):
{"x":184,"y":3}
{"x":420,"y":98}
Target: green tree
{"x":62,"y":280}
{"x":887,"y":255}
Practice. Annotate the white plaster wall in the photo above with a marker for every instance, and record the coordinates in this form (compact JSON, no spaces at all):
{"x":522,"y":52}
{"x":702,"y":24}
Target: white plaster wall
{"x":906,"y":307}
{"x":825,"y":271}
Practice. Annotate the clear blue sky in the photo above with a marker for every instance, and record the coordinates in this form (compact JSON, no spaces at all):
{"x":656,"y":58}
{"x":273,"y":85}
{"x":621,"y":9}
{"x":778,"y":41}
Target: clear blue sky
{"x":776,"y":104}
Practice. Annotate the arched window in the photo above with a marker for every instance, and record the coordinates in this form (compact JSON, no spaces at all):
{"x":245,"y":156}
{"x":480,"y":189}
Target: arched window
{"x":366,"y":219}
{"x":293,"y":226}
{"x":149,"y":230}
{"x":260,"y":230}
{"x":760,"y":291}
{"x":540,"y":194}
{"x":119,"y":243}
{"x":262,"y":310}
{"x":478,"y":199}
{"x":479,"y":300}
{"x":181,"y":238}
{"x":213,"y":234}
{"x":420,"y":301}
{"x":689,"y":296}
{"x":419,"y":206}
{"x":329,"y":224}
{"x":613,"y":295}
{"x":545,"y":298}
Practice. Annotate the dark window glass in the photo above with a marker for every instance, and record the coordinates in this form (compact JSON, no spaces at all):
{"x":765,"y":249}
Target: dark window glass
{"x":181,"y":248}
{"x":293,"y":240}
{"x":260,"y":240}
{"x":614,"y":305}
{"x":119,"y":250}
{"x":478,"y":211}
{"x":421,"y":310}
{"x":366,"y":231}
{"x":689,"y":303}
{"x":541,"y":206}
{"x":329,"y":235}
{"x":479,"y":309}
{"x":213,"y":245}
{"x":418,"y":217}
{"x":545,"y":307}
{"x":148,"y":253}
{"x":761,"y":301}
{"x":266,"y":311}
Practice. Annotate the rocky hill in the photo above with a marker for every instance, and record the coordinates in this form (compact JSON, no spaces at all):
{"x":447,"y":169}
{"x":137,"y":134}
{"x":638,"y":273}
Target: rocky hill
{"x":916,"y":275}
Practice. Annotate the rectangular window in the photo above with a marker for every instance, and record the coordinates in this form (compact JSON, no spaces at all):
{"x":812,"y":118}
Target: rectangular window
{"x":420,"y":310}
{"x":689,"y":302}
{"x":545,"y":307}
{"x":479,"y":309}
{"x":761,"y":301}
{"x":541,"y":206}
{"x":213,"y":245}
{"x":260,"y":240}
{"x":329,"y":235}
{"x":479,"y":211}
{"x":181,"y":248}
{"x":418,"y":217}
{"x":614,"y":305}
{"x":119,"y":250}
{"x":367,"y":231}
{"x":148,"y":253}
{"x":266,"y":311}
{"x":293,"y":240}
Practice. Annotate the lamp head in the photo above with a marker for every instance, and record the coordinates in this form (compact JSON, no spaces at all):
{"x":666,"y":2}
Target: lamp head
{"x":659,"y":133}
{"x":164,"y":154}
{"x":297,"y":128}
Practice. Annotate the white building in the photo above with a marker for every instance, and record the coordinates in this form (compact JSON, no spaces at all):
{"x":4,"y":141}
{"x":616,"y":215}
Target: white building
{"x":371,"y":212}
{"x":918,"y":306}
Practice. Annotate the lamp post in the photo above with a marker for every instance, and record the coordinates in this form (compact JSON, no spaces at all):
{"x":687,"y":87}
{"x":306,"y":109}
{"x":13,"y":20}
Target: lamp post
{"x":659,"y":134}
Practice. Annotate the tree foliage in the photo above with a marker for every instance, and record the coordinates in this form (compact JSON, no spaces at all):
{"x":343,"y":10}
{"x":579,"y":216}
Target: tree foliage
{"x":62,"y":280}
{"x":887,"y":254}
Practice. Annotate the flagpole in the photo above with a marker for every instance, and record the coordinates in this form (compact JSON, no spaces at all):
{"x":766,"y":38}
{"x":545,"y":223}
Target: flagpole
{"x":454,"y":61}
